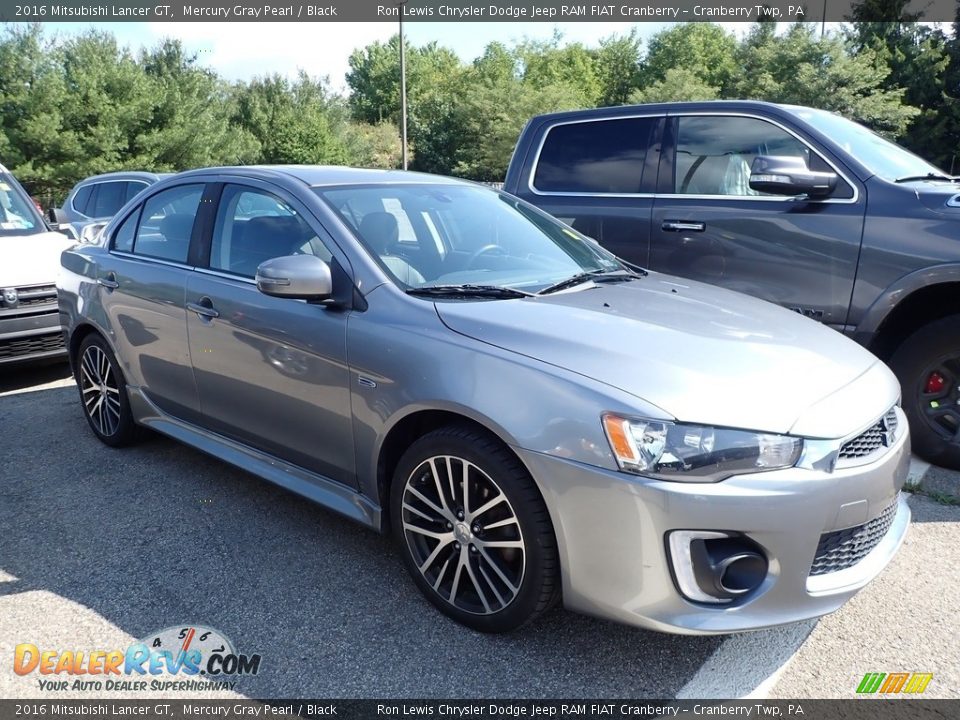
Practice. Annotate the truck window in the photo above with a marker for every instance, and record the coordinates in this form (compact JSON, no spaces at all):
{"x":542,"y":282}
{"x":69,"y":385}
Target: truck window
{"x":596,"y":157}
{"x":714,"y":154}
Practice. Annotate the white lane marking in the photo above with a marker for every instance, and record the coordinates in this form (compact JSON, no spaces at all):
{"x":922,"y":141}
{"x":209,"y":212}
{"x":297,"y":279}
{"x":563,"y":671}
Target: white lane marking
{"x":747,"y":665}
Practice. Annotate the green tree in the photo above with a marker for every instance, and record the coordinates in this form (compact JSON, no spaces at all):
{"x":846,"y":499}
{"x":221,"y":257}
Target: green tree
{"x":800,"y":68}
{"x":679,"y":84}
{"x":703,"y":49}
{"x":290,"y":121}
{"x":190,"y":124}
{"x":618,"y":68}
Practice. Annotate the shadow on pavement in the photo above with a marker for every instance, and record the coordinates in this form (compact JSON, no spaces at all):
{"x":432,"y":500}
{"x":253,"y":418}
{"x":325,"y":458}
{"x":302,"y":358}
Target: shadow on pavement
{"x":27,"y":376}
{"x":159,"y":535}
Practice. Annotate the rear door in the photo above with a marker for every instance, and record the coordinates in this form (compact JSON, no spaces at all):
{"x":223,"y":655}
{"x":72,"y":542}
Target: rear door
{"x":142,"y":282}
{"x":597,"y":175}
{"x":271,"y":372}
{"x":709,"y":225}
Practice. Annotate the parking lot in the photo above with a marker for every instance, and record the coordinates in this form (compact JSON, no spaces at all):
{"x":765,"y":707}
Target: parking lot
{"x":103,"y":546}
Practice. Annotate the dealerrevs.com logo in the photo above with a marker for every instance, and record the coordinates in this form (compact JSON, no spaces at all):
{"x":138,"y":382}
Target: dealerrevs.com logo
{"x":191,"y":657}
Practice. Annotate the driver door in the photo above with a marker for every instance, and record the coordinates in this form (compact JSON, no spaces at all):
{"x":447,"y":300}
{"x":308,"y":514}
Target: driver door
{"x":271,"y":372}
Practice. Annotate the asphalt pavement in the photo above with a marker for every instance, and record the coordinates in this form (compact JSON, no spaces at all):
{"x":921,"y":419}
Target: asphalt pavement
{"x":100,"y":546}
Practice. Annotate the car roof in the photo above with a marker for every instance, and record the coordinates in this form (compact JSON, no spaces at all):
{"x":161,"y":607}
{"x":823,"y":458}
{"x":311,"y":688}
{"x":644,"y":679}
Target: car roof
{"x":326,"y":175}
{"x":126,"y":175}
{"x":666,"y":107}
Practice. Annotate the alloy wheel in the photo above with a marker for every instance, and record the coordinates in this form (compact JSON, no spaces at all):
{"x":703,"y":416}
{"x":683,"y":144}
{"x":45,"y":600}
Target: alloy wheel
{"x":939,"y":398}
{"x":100,"y":391}
{"x":463,"y":534}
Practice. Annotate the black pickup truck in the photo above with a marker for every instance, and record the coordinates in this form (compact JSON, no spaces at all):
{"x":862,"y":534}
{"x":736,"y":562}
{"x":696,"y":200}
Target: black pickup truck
{"x":797,"y":206}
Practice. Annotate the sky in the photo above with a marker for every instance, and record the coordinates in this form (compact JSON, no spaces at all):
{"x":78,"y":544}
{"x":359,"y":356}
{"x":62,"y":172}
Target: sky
{"x":239,"y":51}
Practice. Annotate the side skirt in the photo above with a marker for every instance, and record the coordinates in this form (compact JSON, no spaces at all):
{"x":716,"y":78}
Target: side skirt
{"x":312,"y":486}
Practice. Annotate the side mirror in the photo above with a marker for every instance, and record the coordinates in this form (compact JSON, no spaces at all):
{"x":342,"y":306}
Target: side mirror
{"x":295,"y":276}
{"x":788,"y":175}
{"x":58,"y":221}
{"x":56,"y":216}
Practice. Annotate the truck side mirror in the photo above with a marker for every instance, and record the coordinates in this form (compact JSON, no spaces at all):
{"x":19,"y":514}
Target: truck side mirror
{"x":788,"y":175}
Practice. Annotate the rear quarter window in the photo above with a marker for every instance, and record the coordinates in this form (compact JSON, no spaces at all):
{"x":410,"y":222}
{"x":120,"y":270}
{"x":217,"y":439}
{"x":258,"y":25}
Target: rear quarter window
{"x":597,"y":157}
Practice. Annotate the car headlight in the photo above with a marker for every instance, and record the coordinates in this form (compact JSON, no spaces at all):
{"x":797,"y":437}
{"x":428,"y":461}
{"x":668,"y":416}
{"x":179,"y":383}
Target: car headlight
{"x":695,"y":453}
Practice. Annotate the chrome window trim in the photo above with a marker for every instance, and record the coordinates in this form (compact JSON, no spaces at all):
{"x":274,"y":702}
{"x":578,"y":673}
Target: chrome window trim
{"x":73,"y":195}
{"x":225,"y":275}
{"x":674,"y":196}
{"x":150,"y":258}
{"x":558,"y":193}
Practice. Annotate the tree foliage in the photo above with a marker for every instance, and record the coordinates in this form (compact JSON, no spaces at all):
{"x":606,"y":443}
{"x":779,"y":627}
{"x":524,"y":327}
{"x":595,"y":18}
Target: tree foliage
{"x":72,"y":106}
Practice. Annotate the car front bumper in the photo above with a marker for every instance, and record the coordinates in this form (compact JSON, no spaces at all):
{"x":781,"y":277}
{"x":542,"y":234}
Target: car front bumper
{"x":28,"y":337}
{"x":612,"y":528}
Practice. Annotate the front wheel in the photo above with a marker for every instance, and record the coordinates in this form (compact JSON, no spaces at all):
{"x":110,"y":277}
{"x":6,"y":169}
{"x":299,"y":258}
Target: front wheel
{"x":103,"y":393}
{"x":928,"y":367}
{"x":474,"y":531}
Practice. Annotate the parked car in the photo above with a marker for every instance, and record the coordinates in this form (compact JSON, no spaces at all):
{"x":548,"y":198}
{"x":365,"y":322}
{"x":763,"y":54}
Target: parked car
{"x":93,"y":201}
{"x":29,"y":263}
{"x":797,"y":206}
{"x":530,"y":416}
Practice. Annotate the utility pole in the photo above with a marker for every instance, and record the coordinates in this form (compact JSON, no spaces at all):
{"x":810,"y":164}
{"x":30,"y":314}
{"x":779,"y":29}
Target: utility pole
{"x":403,"y":90}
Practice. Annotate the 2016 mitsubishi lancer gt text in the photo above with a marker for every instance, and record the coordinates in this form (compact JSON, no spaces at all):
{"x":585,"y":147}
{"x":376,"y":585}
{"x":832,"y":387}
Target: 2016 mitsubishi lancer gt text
{"x":532,"y":418}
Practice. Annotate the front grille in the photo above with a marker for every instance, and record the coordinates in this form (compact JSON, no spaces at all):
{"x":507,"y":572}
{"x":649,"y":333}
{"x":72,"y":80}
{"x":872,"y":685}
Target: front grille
{"x":21,"y":347}
{"x":29,"y":296}
{"x":37,"y":295}
{"x":841,"y":549}
{"x":878,"y":435}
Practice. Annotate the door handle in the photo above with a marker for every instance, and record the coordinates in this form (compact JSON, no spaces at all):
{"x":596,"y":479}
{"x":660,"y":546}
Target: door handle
{"x":203,"y":308}
{"x":109,"y":282}
{"x":680,"y":226}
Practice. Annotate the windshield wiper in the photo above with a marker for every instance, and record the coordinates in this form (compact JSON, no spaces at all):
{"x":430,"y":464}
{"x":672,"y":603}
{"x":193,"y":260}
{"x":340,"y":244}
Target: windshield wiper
{"x":928,"y":176}
{"x":488,"y":291}
{"x":597,"y":276}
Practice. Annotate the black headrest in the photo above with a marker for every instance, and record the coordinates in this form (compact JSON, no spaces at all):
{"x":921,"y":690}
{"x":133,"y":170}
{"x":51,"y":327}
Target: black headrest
{"x":380,"y":230}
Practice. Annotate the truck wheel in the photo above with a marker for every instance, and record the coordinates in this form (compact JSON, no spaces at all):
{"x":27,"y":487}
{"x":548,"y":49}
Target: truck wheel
{"x":928,"y":366}
{"x":474,"y":531}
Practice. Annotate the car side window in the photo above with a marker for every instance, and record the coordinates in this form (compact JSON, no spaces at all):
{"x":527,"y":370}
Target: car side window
{"x":109,"y":198}
{"x":253,"y":226}
{"x":133,"y":187}
{"x":597,"y":157}
{"x":714,"y":154}
{"x":166,"y":223}
{"x":123,"y":237}
{"x":81,"y":199}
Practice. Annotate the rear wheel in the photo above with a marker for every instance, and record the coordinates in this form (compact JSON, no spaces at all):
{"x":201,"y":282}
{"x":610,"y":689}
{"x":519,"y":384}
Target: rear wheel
{"x":474,"y":531}
{"x":103,"y":393}
{"x":928,"y":367}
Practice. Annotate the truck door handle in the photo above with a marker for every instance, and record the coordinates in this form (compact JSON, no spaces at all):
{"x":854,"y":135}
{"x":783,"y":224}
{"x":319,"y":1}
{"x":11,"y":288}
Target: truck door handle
{"x":203,"y":308}
{"x":109,"y":282}
{"x":680,"y":226}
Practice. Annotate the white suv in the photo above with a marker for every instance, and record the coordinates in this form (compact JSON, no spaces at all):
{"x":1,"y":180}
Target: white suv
{"x":29,"y":262}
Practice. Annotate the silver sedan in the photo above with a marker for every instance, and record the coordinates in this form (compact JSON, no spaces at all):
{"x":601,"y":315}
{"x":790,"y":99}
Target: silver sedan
{"x":533,"y":419}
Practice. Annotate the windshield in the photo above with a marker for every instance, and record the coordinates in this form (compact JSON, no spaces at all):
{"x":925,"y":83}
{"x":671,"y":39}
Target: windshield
{"x":18,"y":216}
{"x":440,"y":235}
{"x":880,"y":156}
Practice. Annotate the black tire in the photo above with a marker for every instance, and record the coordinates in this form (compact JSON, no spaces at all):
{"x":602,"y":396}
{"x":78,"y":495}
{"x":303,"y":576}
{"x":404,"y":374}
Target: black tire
{"x":108,"y":411}
{"x":934,"y":431}
{"x":509,"y":600}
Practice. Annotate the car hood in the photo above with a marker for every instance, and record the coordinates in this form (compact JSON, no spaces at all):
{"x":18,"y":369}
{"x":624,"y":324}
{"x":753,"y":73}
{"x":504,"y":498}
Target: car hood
{"x":31,"y":259}
{"x":700,"y":353}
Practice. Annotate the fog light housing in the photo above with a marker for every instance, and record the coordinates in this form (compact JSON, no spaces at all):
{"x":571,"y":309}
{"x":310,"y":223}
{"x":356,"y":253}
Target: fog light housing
{"x":716,"y":567}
